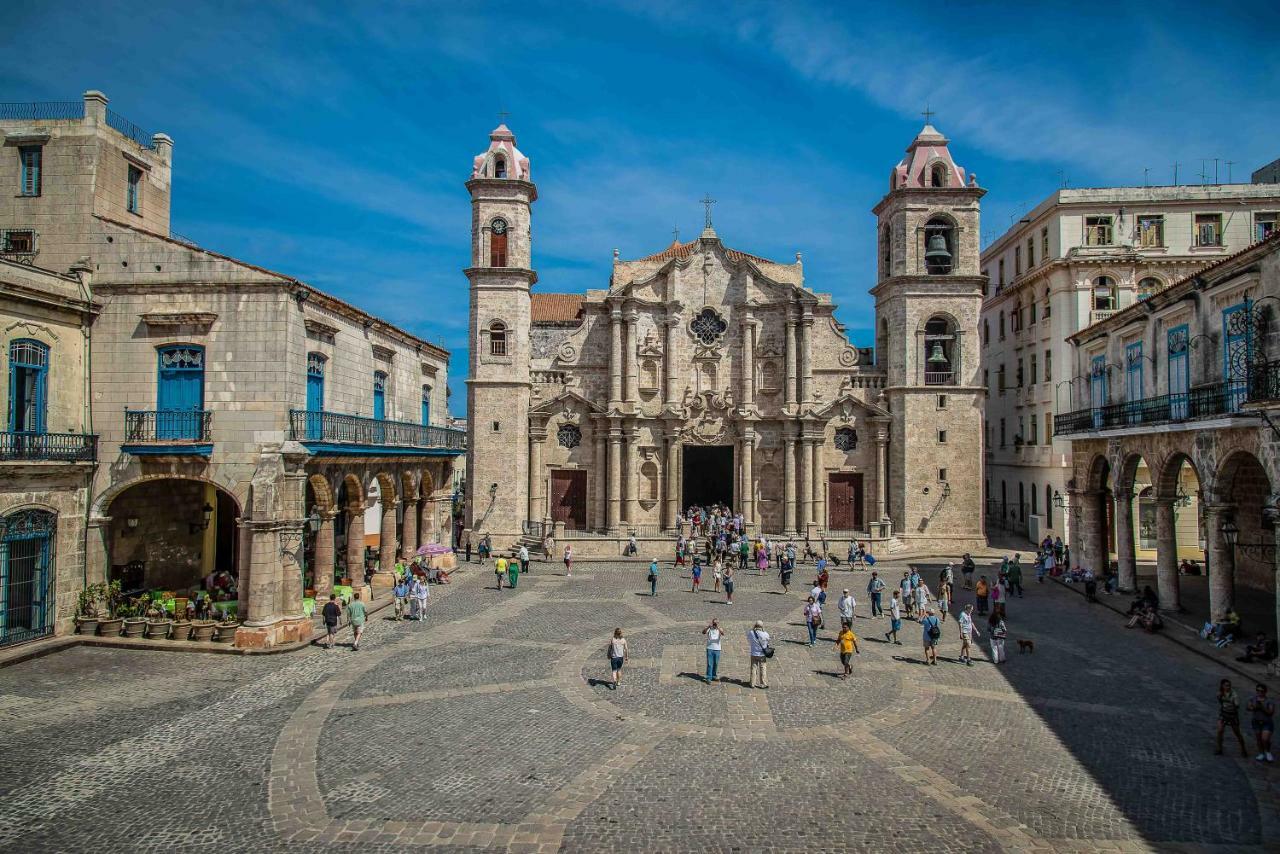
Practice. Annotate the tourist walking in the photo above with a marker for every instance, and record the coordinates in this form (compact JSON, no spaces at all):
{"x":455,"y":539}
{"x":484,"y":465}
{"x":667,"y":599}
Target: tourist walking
{"x":401,"y":592}
{"x":548,"y":548}
{"x":895,"y":617}
{"x":761,"y":651}
{"x":696,"y":574}
{"x":967,"y":567}
{"x":944,"y":599}
{"x":514,"y":569}
{"x":845,"y":606}
{"x":1014,"y":575}
{"x":785,"y":576}
{"x":713,"y":634}
{"x":847,"y":644}
{"x":568,"y":561}
{"x":998,"y":631}
{"x":499,"y":569}
{"x":875,"y":589}
{"x":1228,"y":716}
{"x":617,"y":657}
{"x":812,"y":619}
{"x":653,"y":577}
{"x":524,"y":560}
{"x":728,"y":585}
{"x":356,"y":611}
{"x":332,"y":613}
{"x":981,"y":592}
{"x":922,"y":598}
{"x":932,"y":633}
{"x":421,"y":593}
{"x":907,"y":590}
{"x":466,"y":544}
{"x":1263,"y":720}
{"x":967,"y":632}
{"x":998,"y":596}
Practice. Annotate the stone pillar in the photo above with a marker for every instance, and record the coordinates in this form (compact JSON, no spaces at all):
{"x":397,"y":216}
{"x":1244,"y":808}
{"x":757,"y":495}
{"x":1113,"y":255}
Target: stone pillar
{"x":748,"y":502}
{"x":806,"y":358}
{"x":615,"y":477}
{"x":355,"y":542}
{"x":615,"y":357}
{"x":409,"y":547}
{"x":789,"y":482}
{"x":244,"y":565}
{"x":537,"y":504}
{"x":805,"y":499}
{"x":818,"y":516}
{"x":264,"y":580}
{"x":671,"y":394}
{"x":791,"y":361}
{"x":1099,"y":556}
{"x":602,"y":489}
{"x":385,"y":576}
{"x":426,"y":520}
{"x":879,"y":507}
{"x":1166,"y":556}
{"x":748,"y":362}
{"x":673,"y":479}
{"x":1126,"y":561}
{"x":1222,"y":562}
{"x":322,"y":569}
{"x":632,"y":477}
{"x":630,"y":364}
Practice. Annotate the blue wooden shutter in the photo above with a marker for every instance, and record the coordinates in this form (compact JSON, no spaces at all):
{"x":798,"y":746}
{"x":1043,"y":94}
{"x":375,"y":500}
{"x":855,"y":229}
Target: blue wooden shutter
{"x":180,"y":392}
{"x":1179,"y":374}
{"x":426,"y":405}
{"x":30,"y":156}
{"x":1133,"y":380}
{"x":1237,"y":352}
{"x":379,"y":395}
{"x":315,"y":395}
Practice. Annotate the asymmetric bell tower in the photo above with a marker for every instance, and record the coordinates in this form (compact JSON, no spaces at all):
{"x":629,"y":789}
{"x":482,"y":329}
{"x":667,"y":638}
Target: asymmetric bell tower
{"x":928,"y":300}
{"x":501,"y":274}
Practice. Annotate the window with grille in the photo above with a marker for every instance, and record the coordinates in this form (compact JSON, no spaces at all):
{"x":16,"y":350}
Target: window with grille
{"x":1208,"y":229}
{"x":1017,"y":261}
{"x":133,"y":193}
{"x":497,"y":339}
{"x":1097,"y":231}
{"x":1034,"y":432}
{"x":30,"y":157}
{"x":1044,"y":243}
{"x":569,"y":436}
{"x":1033,"y":371}
{"x":1150,"y":231}
{"x":708,"y":326}
{"x":846,"y":439}
{"x":19,"y":241}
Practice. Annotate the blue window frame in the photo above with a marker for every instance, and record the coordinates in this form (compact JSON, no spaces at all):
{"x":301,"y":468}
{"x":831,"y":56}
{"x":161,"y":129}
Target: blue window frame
{"x":26,"y":575}
{"x":379,"y":404}
{"x":132,"y":192}
{"x":31,"y":159}
{"x":1237,"y":352}
{"x":426,"y":405}
{"x":1179,"y":372}
{"x":315,"y":394}
{"x":1098,"y":388}
{"x":28,"y":385}
{"x":180,"y":392}
{"x":1133,"y":380}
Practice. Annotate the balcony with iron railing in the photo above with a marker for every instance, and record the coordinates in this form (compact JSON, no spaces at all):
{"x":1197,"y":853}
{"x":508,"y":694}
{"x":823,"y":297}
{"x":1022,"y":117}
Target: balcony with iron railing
{"x":1206,"y":401}
{"x":168,"y":432}
{"x":48,"y":447}
{"x":336,"y":433}
{"x":939,"y":377}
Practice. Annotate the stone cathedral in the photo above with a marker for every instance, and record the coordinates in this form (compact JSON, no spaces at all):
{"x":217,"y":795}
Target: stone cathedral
{"x":706,"y":374}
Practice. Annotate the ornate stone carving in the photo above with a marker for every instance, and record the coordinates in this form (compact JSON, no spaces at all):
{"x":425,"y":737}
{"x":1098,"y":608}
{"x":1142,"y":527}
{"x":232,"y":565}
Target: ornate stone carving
{"x":849,"y":357}
{"x":569,"y":436}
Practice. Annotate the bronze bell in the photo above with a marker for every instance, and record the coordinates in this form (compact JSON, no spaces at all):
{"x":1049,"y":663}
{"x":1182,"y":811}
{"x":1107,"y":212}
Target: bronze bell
{"x":937,"y":356}
{"x":936,"y":250}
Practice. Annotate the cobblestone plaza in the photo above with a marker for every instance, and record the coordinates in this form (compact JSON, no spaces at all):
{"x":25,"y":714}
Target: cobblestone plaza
{"x":491,"y":726}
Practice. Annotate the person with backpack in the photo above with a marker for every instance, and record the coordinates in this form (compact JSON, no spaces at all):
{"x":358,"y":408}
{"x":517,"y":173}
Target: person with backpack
{"x":967,"y":568}
{"x":332,"y":613}
{"x":653,"y":577}
{"x":932,"y":630}
{"x":812,"y":619}
{"x":761,"y":651}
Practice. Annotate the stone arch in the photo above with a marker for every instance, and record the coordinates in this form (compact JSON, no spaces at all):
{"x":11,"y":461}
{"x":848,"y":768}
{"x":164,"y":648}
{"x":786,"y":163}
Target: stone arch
{"x":427,"y":484}
{"x":408,"y":485}
{"x":354,"y":488}
{"x":323,"y":491}
{"x":237,"y":492}
{"x":1247,"y":499}
{"x":1166,"y":477}
{"x":1099,"y":474}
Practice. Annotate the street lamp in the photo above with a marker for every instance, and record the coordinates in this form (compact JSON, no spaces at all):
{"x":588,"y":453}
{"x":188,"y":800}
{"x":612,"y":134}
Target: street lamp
{"x":206,"y":513}
{"x":1059,"y":500}
{"x":313,"y":521}
{"x":1230,"y":532}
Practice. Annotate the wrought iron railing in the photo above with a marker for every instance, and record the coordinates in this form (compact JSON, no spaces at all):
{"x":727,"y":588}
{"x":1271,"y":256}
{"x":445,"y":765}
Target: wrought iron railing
{"x":52,"y":447}
{"x":1264,"y":384}
{"x":306,"y":426}
{"x":939,"y":377}
{"x":1215,"y":399}
{"x":32,"y":110}
{"x":129,"y":129}
{"x":532,"y":528}
{"x":142,"y":426}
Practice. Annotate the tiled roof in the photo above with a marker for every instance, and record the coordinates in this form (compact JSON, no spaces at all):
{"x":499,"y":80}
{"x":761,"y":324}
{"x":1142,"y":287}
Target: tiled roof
{"x":684,"y":250}
{"x":555,"y":308}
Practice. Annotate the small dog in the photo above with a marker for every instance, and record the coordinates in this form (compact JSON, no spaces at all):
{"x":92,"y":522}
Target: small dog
{"x":1026,"y":646}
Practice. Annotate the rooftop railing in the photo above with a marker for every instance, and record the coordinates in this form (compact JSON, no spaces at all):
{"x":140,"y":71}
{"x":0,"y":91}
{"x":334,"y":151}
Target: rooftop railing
{"x":129,"y":129}
{"x":34,"y":110}
{"x":48,"y":447}
{"x":337,"y":428}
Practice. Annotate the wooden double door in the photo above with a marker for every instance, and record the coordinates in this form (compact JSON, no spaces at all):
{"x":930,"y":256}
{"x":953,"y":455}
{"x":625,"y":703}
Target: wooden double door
{"x":845,"y":502}
{"x":569,"y":498}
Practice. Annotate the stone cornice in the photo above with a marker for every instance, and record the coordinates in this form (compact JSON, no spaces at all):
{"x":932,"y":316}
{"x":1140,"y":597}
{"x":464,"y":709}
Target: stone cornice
{"x":179,"y":318}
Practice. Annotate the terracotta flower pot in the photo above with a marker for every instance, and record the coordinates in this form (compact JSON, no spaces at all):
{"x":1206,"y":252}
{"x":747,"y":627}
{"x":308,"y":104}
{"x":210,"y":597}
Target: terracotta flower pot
{"x":225,"y":632}
{"x":134,"y":628}
{"x":181,"y":630}
{"x":111,"y":627}
{"x":158,"y":629}
{"x":202,"y":630}
{"x":86,"y":625}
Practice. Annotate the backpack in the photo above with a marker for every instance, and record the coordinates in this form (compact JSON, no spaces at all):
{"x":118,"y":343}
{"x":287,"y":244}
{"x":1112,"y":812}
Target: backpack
{"x":935,"y":631}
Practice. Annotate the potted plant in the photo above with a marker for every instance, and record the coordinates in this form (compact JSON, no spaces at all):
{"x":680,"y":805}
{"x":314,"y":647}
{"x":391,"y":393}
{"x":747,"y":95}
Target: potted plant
{"x":225,"y":632}
{"x":87,"y":609}
{"x":134,"y":613}
{"x":202,"y":630}
{"x":181,"y":628}
{"x":158,"y":621}
{"x":110,"y":627}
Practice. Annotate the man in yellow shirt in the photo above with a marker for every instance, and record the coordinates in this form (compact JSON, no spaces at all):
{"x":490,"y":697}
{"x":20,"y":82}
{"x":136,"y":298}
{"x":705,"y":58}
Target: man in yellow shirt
{"x":499,"y":570}
{"x":847,"y":643}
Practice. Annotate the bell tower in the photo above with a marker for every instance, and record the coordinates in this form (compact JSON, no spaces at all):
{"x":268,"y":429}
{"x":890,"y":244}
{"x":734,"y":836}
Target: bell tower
{"x":501,"y":274}
{"x":928,"y":296}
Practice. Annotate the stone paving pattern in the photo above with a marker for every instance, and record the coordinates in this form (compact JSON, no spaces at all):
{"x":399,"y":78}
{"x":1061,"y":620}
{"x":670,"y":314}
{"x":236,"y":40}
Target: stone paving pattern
{"x":491,"y":726}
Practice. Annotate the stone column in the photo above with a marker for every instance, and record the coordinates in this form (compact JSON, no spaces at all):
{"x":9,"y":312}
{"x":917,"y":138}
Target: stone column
{"x":355,"y":542}
{"x":1166,"y":556}
{"x":1222,"y":563}
{"x":673,"y":479}
{"x":672,"y":394}
{"x":632,"y":476}
{"x":602,"y":490}
{"x":788,"y":481}
{"x":322,"y":569}
{"x":1126,"y":561}
{"x":791,"y":361}
{"x":1078,"y":510}
{"x":818,"y":516}
{"x":615,"y":357}
{"x":630,"y":364}
{"x":409,"y":547}
{"x":748,"y":362}
{"x":385,"y":576}
{"x":805,"y":499}
{"x":264,"y":579}
{"x":537,"y":503}
{"x":880,"y":507}
{"x":426,"y":519}
{"x":1099,"y":556}
{"x":748,"y":502}
{"x":806,"y":358}
{"x":615,"y":477}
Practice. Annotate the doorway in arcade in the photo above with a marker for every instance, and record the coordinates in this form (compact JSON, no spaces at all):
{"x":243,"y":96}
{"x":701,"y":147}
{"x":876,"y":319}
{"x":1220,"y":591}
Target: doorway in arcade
{"x":708,"y":476}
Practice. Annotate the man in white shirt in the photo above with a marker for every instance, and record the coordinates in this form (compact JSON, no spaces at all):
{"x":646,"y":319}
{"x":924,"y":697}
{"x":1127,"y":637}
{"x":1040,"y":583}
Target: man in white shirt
{"x":846,"y":606}
{"x":524,"y":560}
{"x":713,"y":634}
{"x":758,"y":640}
{"x":967,"y":631}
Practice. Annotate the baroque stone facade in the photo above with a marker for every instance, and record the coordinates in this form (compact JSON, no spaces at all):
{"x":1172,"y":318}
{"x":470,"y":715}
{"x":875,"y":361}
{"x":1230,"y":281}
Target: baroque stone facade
{"x":706,"y":374}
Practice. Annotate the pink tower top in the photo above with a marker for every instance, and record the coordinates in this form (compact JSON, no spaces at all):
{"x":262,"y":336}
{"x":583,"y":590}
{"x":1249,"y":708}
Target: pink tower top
{"x":501,"y":159}
{"x":927,"y":163}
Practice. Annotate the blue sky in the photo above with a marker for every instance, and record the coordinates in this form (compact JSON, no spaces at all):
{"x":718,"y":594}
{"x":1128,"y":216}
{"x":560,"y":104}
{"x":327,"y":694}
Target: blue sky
{"x":331,"y":140}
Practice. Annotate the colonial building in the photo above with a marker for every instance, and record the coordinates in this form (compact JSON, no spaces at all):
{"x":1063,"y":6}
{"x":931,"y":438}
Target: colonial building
{"x":247,"y":420}
{"x":1073,"y":260}
{"x":706,"y":374}
{"x":1175,"y":433}
{"x":47,"y":449}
